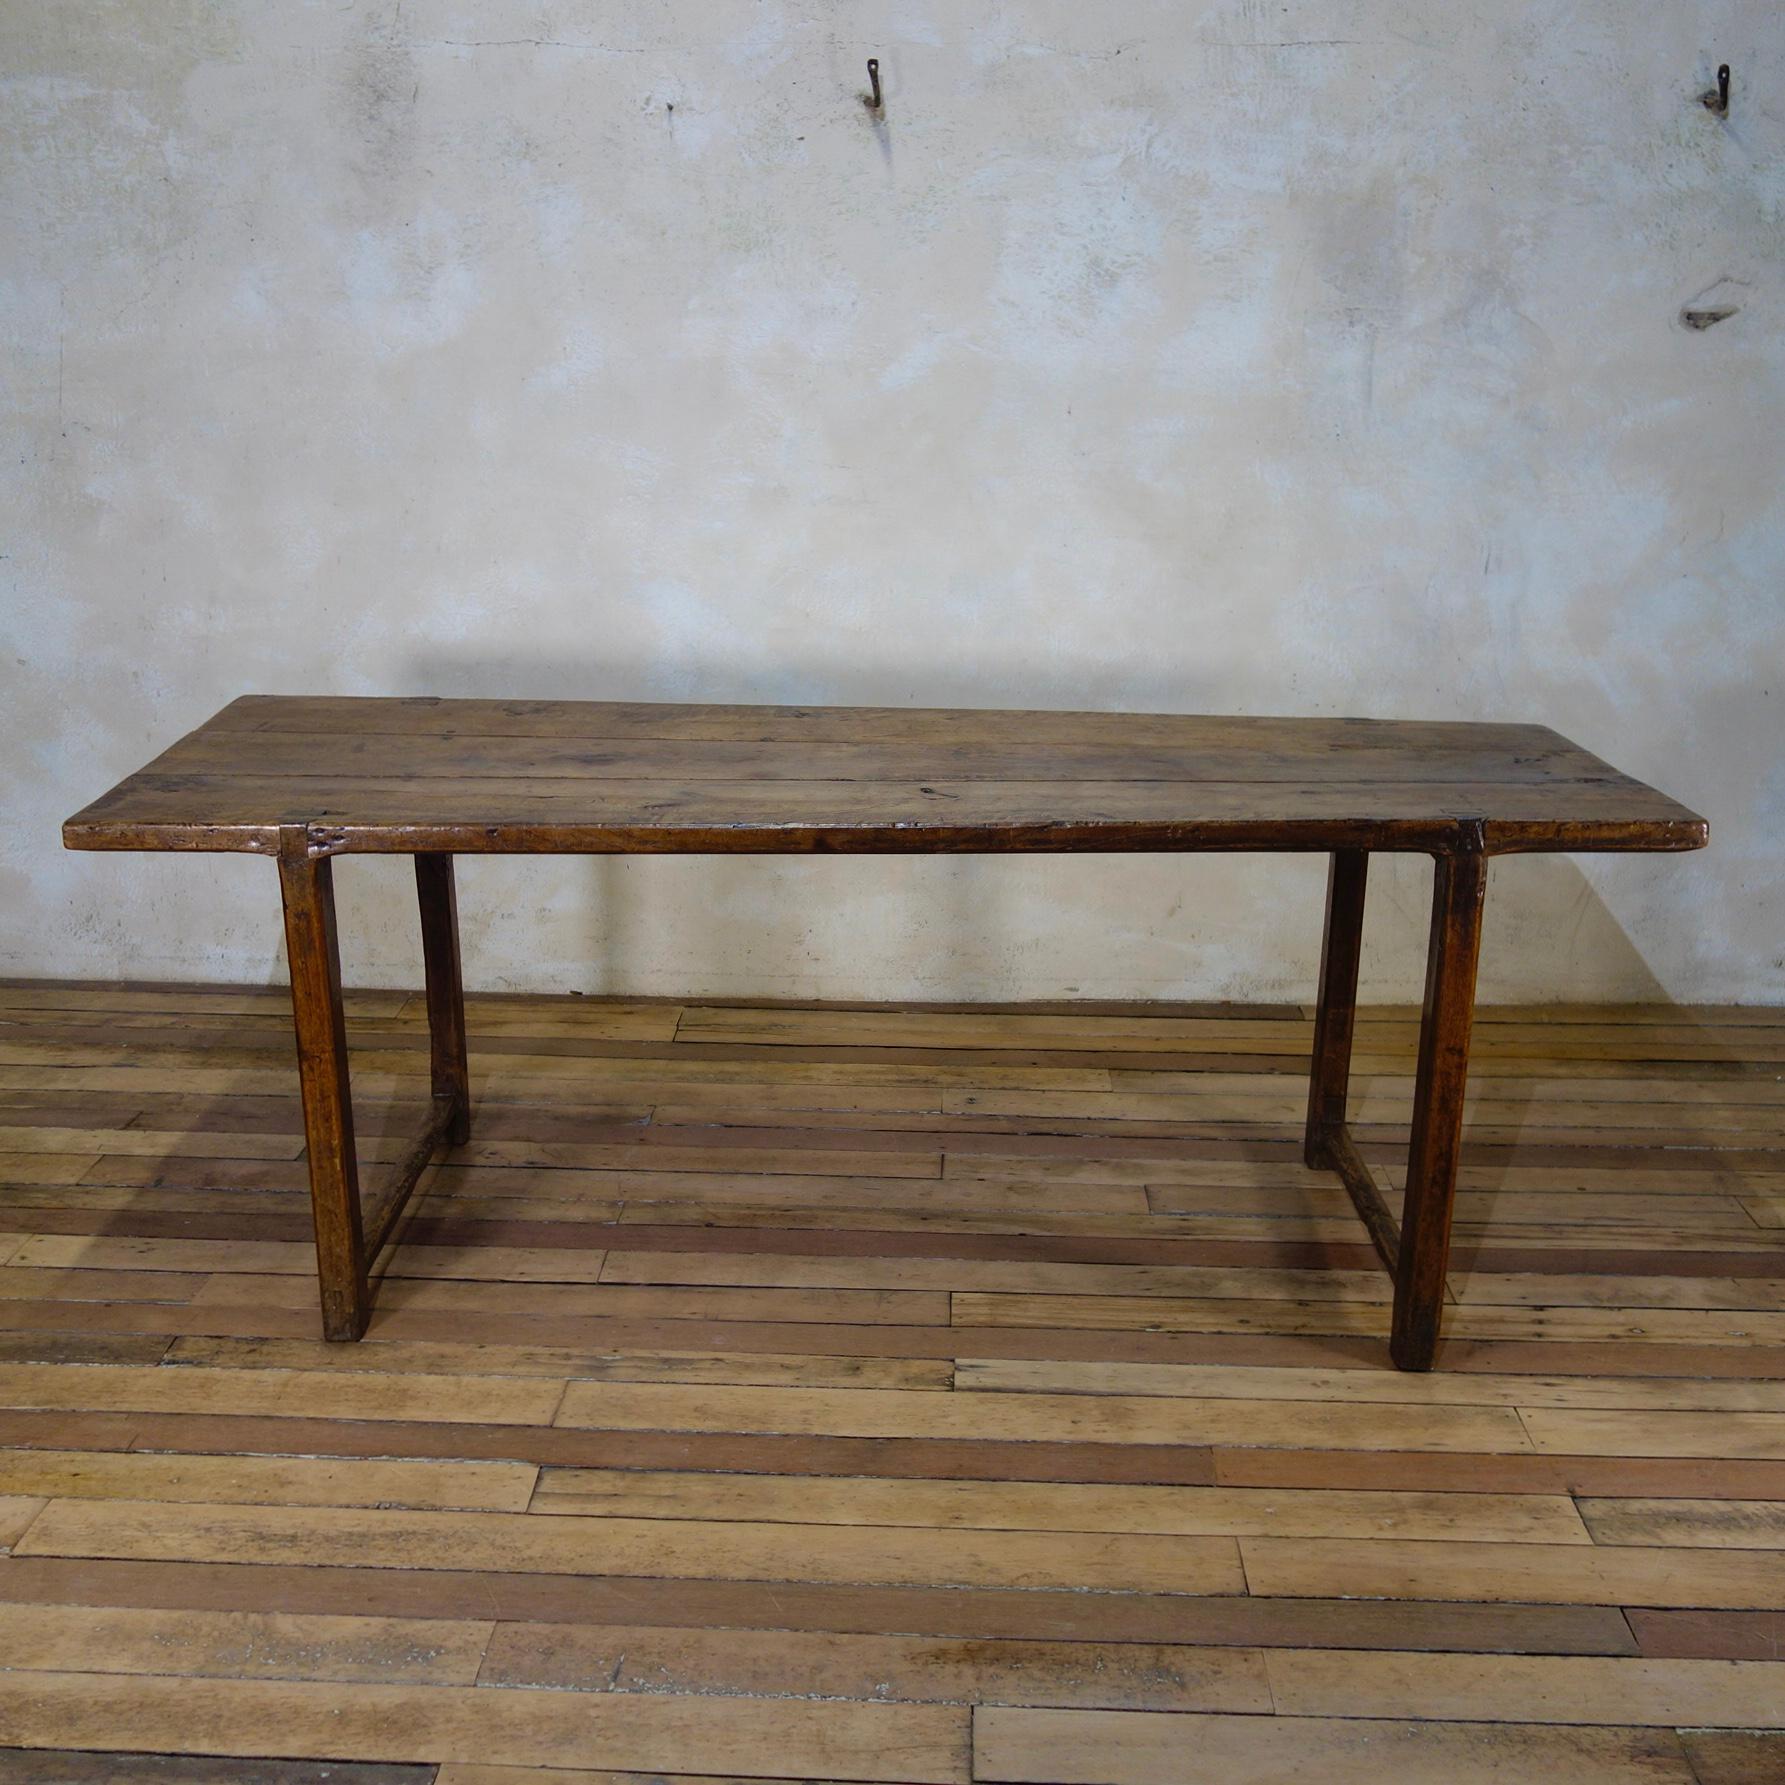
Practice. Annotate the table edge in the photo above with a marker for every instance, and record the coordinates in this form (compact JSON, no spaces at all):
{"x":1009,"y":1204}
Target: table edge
{"x":1438,"y":835}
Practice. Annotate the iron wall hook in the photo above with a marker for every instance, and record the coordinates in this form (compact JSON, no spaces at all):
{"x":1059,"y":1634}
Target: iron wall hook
{"x":872,"y":99}
{"x":1716,"y":99}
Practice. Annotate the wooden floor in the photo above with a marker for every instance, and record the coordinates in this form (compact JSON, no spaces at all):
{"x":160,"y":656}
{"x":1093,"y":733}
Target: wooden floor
{"x":904,"y":1395}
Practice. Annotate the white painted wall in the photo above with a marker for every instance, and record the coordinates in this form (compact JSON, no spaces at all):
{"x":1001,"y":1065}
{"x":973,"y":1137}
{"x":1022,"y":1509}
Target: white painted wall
{"x":1222,"y":355}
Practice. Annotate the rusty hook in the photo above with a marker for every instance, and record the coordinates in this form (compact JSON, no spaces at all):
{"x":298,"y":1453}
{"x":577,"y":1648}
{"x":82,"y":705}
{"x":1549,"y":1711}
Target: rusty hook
{"x":872,"y":100}
{"x":1716,"y":99}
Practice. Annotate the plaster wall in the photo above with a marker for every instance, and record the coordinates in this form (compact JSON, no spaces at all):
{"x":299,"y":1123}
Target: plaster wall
{"x":1320,"y":357}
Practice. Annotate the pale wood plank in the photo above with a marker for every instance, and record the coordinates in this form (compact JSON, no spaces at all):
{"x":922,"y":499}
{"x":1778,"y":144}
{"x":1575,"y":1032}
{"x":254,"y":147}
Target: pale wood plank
{"x":923,"y":1743}
{"x":1110,"y":1419}
{"x":288,"y":1481}
{"x":88,"y":1766}
{"x":1559,"y":1574}
{"x":1693,"y":1524}
{"x":38,"y":1167}
{"x":17,"y":1510}
{"x":159,"y":1201}
{"x":21,"y":1282}
{"x":312,"y":1394}
{"x":1527,"y":1688}
{"x":882,"y":1668}
{"x":455,"y":1773}
{"x":990,"y":1274}
{"x":532,"y":1078}
{"x":1740,"y":1327}
{"x":1055,"y":1747}
{"x":544,"y":1543}
{"x":297,"y":1258}
{"x":412,"y":1356}
{"x":796,"y":1212}
{"x":1713,"y":1212}
{"x":236,"y":1644}
{"x":1650,"y":1434}
{"x":193,"y":1144}
{"x":1058,"y":1506}
{"x":1735,"y":1756}
{"x":744,"y":1190}
{"x":186,"y":1000}
{"x":878,"y":1196}
{"x":1382,"y":1384}
{"x":850,"y":1307}
{"x":1499,"y":1103}
{"x":1142,"y":1313}
{"x":1517,"y":1289}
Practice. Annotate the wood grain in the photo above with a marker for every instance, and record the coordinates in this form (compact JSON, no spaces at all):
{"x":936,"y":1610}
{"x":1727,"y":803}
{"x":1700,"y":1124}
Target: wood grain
{"x":546,"y":1543}
{"x":503,"y":1400}
{"x":582,"y":1658}
{"x":461,"y":777}
{"x":890,"y":1413}
{"x":1735,"y":1756}
{"x":16,"y":1513}
{"x":1526,"y":1689}
{"x":238,"y":1644}
{"x":529,"y":1728}
{"x":1043,"y":1747}
{"x":1058,"y":1506}
{"x":1557,"y":1573}
{"x":284,"y":1481}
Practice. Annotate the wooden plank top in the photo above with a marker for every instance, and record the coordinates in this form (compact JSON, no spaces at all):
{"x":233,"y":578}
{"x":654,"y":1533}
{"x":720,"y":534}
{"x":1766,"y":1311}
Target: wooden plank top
{"x":595,"y":777}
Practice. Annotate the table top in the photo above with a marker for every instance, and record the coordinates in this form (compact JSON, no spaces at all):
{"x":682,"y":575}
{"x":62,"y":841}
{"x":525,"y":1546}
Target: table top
{"x":590,"y":777}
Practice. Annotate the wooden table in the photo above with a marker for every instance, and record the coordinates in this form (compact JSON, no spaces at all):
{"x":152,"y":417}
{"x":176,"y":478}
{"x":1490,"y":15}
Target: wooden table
{"x":303,"y":780}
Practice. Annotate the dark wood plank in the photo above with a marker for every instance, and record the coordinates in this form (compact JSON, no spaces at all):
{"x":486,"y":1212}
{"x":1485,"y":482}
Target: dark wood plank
{"x":1709,"y":1635}
{"x":81,"y":1347}
{"x":1735,"y":1756}
{"x":67,"y":1766}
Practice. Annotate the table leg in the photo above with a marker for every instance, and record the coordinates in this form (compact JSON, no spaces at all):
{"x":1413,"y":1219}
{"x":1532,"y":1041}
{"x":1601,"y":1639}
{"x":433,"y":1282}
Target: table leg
{"x":1337,"y":1010}
{"x":446,"y":990}
{"x":315,"y":961}
{"x":1458,"y":887}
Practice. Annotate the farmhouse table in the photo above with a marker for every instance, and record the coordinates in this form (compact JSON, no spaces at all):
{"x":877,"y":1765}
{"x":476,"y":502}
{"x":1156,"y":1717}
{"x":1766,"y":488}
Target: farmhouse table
{"x":302,"y":780}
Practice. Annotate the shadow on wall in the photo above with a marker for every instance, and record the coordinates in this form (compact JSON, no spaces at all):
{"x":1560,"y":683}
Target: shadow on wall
{"x":1554,"y":915}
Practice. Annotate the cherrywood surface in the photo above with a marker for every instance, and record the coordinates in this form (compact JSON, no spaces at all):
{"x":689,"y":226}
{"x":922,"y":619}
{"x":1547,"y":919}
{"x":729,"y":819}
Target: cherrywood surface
{"x":805,"y":1393}
{"x":427,"y":776}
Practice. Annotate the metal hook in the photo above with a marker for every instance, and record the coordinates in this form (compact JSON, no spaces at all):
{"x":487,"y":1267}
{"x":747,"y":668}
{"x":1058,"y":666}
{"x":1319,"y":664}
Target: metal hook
{"x":873,"y":101}
{"x":1716,"y":99}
